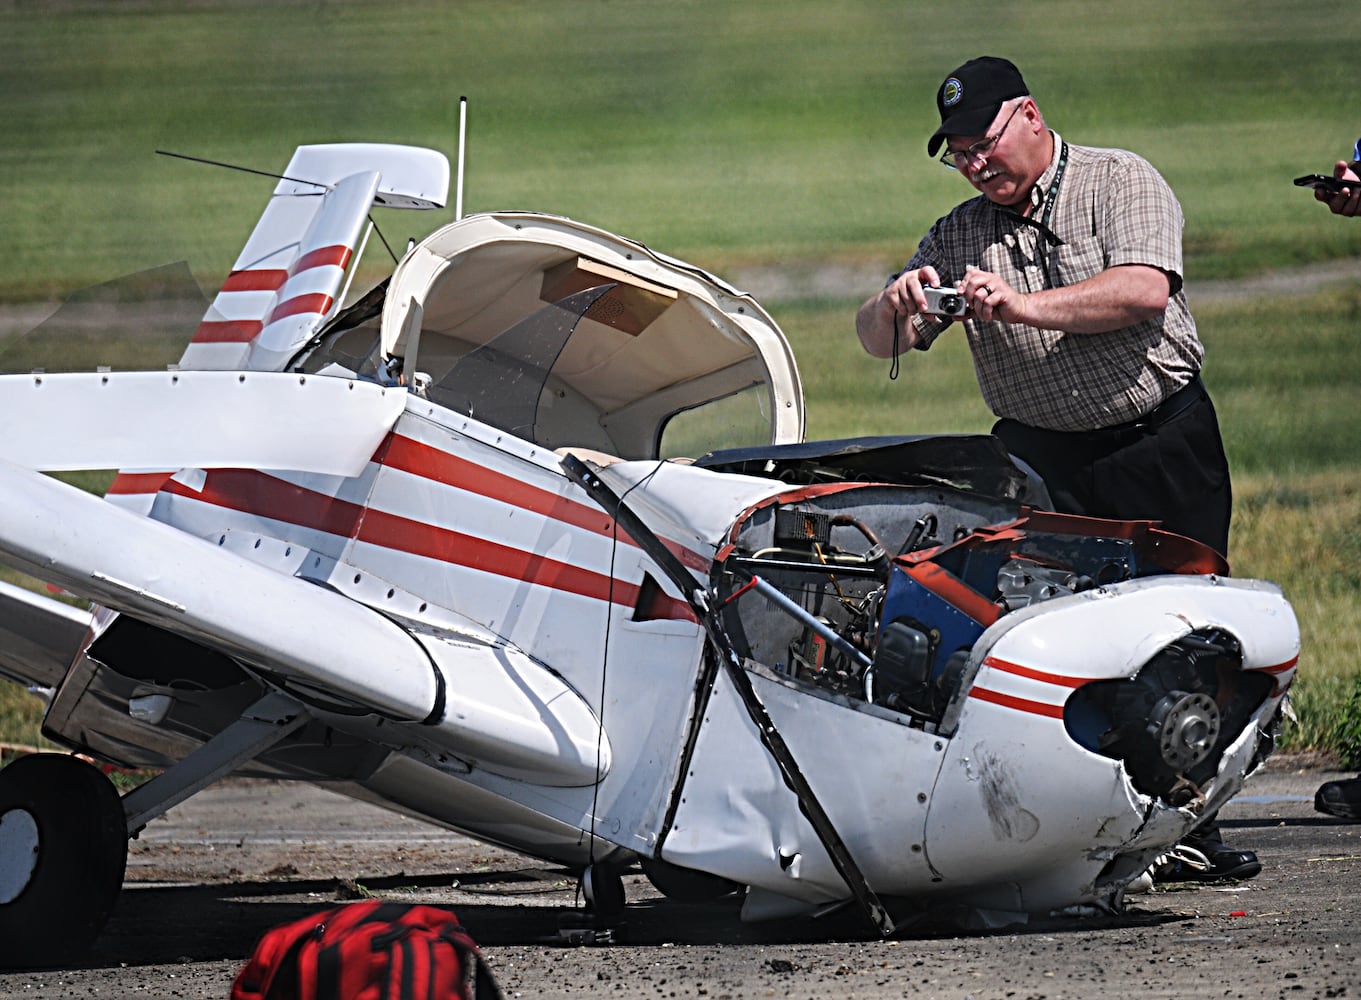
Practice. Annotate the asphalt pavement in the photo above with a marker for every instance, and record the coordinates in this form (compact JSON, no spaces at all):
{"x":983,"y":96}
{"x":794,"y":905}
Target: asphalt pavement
{"x":207,"y":879}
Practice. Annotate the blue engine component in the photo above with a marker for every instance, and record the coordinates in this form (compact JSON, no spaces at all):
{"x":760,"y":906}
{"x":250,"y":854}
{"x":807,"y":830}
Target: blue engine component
{"x":946,"y":627}
{"x":923,"y":640}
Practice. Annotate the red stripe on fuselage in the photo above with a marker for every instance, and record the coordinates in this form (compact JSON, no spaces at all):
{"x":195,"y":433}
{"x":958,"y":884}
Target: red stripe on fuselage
{"x":254,"y":492}
{"x":439,"y":466}
{"x":127,"y":483}
{"x":407,"y":455}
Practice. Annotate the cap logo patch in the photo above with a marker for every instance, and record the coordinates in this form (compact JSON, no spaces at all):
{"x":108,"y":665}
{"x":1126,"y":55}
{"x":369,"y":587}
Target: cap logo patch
{"x":951,"y":92}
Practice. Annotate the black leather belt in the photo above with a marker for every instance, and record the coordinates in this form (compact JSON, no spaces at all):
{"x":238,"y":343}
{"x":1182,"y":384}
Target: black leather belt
{"x":1181,"y":400}
{"x":1116,"y":435}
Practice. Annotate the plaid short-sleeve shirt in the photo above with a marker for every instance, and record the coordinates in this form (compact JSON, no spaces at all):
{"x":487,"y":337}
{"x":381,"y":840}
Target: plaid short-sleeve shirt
{"x":1111,"y":208}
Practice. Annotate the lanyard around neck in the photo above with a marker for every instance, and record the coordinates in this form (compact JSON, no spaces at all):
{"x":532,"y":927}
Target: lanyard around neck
{"x":1051,"y":196}
{"x":1046,"y":206}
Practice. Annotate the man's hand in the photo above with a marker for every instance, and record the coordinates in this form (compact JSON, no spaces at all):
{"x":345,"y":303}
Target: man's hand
{"x":1349,"y":201}
{"x":990,"y":297}
{"x":905,"y":293}
{"x":888,"y":311}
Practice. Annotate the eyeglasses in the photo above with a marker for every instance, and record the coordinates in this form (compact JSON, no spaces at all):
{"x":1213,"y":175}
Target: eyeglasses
{"x":958,"y":158}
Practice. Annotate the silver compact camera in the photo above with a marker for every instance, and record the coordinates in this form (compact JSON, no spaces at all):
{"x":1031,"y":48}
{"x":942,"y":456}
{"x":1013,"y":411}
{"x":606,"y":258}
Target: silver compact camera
{"x":944,"y":301}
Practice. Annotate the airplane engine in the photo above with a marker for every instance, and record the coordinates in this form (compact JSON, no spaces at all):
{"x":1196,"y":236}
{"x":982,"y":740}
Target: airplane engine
{"x":1171,"y":722}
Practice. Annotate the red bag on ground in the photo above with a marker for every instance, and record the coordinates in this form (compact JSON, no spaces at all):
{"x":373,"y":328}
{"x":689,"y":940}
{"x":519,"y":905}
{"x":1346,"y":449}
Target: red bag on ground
{"x":368,"y":951}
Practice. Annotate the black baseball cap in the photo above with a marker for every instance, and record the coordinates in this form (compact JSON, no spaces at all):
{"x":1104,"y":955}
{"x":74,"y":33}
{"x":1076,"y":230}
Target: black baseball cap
{"x":971,"y":96}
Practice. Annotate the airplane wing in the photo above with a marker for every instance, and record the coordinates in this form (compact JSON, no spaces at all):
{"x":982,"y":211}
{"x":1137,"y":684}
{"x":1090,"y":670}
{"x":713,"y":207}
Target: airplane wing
{"x":195,"y":420}
{"x":467,"y":691}
{"x":287,"y":278}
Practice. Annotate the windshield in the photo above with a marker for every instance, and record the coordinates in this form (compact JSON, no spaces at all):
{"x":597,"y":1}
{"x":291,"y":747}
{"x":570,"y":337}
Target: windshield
{"x":504,"y":382}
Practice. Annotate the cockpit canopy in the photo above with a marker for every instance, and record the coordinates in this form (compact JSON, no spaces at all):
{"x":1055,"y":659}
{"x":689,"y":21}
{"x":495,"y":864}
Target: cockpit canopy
{"x":565,"y":335}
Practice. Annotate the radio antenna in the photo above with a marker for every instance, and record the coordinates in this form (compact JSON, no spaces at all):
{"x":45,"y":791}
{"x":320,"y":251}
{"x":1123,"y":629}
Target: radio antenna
{"x":462,"y":135}
{"x":244,"y":170}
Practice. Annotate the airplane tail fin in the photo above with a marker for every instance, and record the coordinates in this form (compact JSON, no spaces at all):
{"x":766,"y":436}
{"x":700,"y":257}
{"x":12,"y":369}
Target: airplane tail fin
{"x":286,"y":280}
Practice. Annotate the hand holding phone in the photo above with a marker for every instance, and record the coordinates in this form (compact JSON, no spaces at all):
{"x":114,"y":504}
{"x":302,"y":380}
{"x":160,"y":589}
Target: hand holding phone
{"x":1332,"y":185}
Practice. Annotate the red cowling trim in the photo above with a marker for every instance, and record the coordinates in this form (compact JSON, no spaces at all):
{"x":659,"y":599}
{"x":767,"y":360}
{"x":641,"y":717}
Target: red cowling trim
{"x":1058,"y":680}
{"x":1019,"y":704}
{"x":1177,"y":552}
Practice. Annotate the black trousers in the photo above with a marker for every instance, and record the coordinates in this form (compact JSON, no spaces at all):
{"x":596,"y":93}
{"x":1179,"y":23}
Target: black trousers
{"x":1168,"y":466}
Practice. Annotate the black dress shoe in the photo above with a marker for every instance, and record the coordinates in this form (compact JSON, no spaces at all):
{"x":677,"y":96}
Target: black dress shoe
{"x":1340,"y":798}
{"x":1226,"y":863}
{"x":1204,"y":857}
{"x":1220,"y":865}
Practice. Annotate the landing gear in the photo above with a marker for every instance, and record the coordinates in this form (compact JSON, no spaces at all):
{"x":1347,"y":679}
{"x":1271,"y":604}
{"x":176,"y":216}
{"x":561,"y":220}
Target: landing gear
{"x":603,"y":886}
{"x":63,"y":848}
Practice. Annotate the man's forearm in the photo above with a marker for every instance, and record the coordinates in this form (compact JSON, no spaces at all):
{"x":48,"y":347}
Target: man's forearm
{"x":1116,"y":298}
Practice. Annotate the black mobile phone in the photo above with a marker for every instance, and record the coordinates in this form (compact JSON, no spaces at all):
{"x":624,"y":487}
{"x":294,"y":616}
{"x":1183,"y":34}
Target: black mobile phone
{"x":1330,"y":184}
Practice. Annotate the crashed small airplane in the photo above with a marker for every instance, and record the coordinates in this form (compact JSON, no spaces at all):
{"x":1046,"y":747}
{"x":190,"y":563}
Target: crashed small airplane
{"x":527,"y":542}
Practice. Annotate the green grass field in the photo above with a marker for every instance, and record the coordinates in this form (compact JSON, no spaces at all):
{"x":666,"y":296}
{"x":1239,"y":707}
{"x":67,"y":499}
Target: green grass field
{"x":776,"y":134}
{"x":724,"y":133}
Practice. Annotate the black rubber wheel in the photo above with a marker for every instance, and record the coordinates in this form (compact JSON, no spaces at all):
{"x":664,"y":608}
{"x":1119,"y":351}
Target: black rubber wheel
{"x":603,"y":887}
{"x":63,"y":848}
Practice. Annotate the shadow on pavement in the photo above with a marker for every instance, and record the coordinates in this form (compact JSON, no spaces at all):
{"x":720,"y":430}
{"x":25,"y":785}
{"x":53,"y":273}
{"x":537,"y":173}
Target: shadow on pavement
{"x":159,"y":925}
